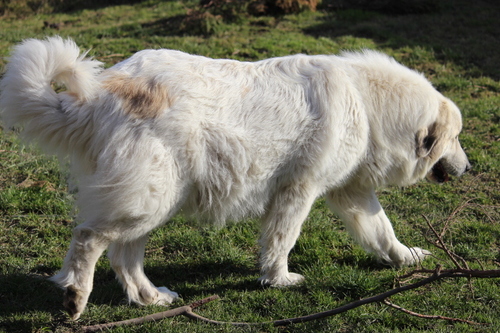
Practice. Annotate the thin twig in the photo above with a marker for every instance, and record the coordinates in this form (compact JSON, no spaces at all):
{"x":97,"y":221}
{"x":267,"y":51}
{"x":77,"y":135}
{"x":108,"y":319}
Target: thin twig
{"x":485,"y":212}
{"x":192,"y":315}
{"x":183,"y":310}
{"x":443,"y":247}
{"x":397,"y":307}
{"x":457,"y":210}
{"x":468,"y":273}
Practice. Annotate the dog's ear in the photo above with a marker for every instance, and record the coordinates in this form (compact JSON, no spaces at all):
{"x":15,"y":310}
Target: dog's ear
{"x":424,"y":142}
{"x":431,"y":140}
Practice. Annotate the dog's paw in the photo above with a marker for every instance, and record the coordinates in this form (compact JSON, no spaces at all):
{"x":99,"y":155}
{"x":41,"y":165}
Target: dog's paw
{"x":288,"y":279}
{"x":407,"y":257}
{"x":417,"y":255}
{"x":74,"y":301}
{"x":158,"y":296}
{"x":166,"y":296}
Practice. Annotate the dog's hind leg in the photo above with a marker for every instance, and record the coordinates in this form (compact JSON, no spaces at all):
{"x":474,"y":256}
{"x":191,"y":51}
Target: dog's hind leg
{"x":76,"y":276}
{"x":280,"y":230}
{"x":127,"y":261}
{"x":367,"y":223}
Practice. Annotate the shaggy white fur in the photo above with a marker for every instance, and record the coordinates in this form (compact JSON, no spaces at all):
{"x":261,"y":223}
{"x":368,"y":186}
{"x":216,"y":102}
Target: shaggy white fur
{"x":222,"y":139}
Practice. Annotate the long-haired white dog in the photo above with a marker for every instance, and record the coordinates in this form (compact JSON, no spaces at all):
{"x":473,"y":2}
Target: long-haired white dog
{"x":222,"y":139}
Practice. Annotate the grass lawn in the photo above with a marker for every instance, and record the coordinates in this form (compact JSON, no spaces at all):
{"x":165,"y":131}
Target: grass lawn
{"x":456,"y":45}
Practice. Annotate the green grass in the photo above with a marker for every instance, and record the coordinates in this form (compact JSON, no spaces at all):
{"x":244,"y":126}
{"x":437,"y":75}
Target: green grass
{"x":454,"y":47}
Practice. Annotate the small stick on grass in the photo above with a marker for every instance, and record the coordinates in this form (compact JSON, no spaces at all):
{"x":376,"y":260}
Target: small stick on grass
{"x":419,"y":315}
{"x":183,"y":310}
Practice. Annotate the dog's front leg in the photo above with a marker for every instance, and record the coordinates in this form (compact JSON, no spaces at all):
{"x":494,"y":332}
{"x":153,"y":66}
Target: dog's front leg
{"x":367,"y":223}
{"x":280,"y":230}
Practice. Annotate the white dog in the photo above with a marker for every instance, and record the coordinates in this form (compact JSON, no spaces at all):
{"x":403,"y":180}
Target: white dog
{"x":222,"y":139}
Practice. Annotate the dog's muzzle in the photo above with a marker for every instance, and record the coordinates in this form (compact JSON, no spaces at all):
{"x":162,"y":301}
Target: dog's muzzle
{"x":438,"y":174}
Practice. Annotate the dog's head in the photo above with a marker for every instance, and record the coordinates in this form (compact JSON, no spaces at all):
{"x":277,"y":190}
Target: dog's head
{"x":438,"y":145}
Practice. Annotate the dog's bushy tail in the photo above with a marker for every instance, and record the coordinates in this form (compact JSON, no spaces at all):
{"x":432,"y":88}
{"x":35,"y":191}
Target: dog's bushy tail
{"x":28,"y":100}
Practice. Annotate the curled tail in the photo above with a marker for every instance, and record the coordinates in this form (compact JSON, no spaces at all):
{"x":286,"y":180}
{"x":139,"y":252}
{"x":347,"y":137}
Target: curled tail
{"x":28,"y":100}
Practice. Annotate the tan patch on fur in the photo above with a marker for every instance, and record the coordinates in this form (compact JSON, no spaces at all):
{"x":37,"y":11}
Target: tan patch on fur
{"x":142,"y":98}
{"x":72,"y":94}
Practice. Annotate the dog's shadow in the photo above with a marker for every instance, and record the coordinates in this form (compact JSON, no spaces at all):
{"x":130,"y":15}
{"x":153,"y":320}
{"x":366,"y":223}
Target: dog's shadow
{"x":22,"y":293}
{"x":206,"y":277}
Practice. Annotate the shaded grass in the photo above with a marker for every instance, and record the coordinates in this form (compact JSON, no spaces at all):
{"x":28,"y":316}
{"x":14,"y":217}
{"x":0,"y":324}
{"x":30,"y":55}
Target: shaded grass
{"x":35,"y":210}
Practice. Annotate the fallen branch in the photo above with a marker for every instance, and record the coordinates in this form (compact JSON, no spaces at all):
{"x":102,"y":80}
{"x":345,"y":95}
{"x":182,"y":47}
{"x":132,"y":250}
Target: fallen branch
{"x":183,"y":310}
{"x":419,"y":315}
{"x":437,"y":274}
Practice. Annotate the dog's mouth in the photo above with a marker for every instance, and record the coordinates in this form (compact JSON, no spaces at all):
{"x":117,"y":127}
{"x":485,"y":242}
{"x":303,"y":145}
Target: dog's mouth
{"x":438,"y":173}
